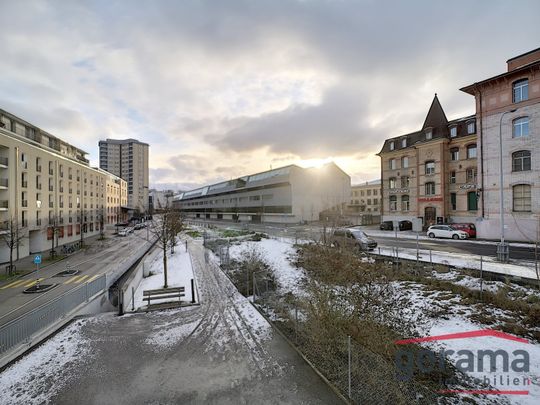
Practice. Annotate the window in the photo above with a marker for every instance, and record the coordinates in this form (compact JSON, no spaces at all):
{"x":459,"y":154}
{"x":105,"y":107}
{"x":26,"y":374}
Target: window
{"x":392,"y":164}
{"x":471,"y":127}
{"x":521,"y":161}
{"x":430,"y":167}
{"x":454,"y":154}
{"x":471,"y":151}
{"x":392,"y":182}
{"x":404,"y":203}
{"x":453,"y":177}
{"x":404,"y":181}
{"x":453,"y":201}
{"x":404,"y":162}
{"x":430,"y":188}
{"x":404,"y":143}
{"x":472,"y":201}
{"x":520,"y":127}
{"x":393,"y":203}
{"x":470,"y":175}
{"x":522,"y":197}
{"x":520,"y":90}
{"x":429,"y":134}
{"x":453,"y":132}
{"x":368,"y":192}
{"x":375,"y":201}
{"x":392,"y":145}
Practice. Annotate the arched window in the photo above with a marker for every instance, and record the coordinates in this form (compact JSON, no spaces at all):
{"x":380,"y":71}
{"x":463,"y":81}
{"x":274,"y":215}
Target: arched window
{"x":521,"y":196}
{"x":471,"y":151}
{"x":393,"y":203}
{"x":404,"y":203}
{"x":520,"y":90}
{"x":521,"y":161}
{"x":520,"y":127}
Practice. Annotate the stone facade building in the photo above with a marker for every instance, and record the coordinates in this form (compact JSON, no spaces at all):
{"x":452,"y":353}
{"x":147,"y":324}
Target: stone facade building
{"x":431,"y":174}
{"x":508,"y":106}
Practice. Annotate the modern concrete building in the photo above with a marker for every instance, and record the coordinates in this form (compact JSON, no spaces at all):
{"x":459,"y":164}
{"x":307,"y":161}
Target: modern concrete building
{"x":128,"y":159}
{"x":159,"y":199}
{"x":431,"y":174}
{"x":48,"y":189}
{"x":290,"y":194}
{"x":508,"y":111}
{"x":365,"y":198}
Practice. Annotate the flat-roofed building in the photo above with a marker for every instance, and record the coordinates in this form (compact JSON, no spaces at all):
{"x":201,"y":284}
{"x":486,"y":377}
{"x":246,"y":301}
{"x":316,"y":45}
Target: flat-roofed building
{"x":47,"y":188}
{"x":289,"y":194}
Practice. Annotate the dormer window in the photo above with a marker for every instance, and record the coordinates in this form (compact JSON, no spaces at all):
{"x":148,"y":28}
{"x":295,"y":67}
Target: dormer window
{"x":429,"y":134}
{"x":392,"y":145}
{"x":404,"y":143}
{"x":471,"y":127}
{"x":453,"y":131}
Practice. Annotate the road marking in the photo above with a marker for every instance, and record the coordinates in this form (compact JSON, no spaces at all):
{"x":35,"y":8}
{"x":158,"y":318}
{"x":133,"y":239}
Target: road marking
{"x":14,"y":284}
{"x":82,"y":278}
{"x":72,"y":279}
{"x":93,"y":278}
{"x":31,"y":283}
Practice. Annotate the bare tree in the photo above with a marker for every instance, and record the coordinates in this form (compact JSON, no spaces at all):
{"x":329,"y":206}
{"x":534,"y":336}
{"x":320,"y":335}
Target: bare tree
{"x":13,"y":235}
{"x":165,"y":228}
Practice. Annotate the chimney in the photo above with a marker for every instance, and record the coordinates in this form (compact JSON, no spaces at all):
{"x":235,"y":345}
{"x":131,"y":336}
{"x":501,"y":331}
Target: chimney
{"x":524,"y":59}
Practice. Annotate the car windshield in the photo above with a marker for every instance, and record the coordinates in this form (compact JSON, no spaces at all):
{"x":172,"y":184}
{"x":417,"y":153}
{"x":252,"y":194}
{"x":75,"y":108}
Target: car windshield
{"x":359,"y":234}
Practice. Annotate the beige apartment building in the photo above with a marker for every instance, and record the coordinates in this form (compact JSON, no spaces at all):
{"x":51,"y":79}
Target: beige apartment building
{"x":508,"y":112}
{"x":48,"y":189}
{"x":365,"y":198}
{"x":431,"y":174}
{"x":128,"y":159}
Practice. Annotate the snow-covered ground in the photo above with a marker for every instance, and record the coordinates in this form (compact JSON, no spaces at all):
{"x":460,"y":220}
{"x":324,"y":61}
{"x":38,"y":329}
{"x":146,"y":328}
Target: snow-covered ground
{"x":43,"y":372}
{"x":179,"y":274}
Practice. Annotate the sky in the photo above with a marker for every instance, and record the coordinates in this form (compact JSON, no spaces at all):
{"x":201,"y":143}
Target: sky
{"x":225,"y":88}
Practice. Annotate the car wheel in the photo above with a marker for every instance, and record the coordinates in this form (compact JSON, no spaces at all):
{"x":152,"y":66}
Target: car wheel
{"x":431,"y":235}
{"x":455,"y":236}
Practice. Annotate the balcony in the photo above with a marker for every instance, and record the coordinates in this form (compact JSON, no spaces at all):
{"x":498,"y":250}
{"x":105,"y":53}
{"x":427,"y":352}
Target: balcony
{"x":3,"y":162}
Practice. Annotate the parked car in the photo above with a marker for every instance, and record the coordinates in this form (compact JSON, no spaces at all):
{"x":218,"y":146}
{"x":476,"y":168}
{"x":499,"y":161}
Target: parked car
{"x":446,"y":231}
{"x":123,"y":232}
{"x":353,"y":237}
{"x":130,"y":229}
{"x":139,"y":226}
{"x":469,"y":228}
{"x":405,"y":225}
{"x":387,"y":226}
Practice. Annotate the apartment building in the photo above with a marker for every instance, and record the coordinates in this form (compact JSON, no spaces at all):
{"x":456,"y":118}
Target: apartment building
{"x":365,"y":198}
{"x":47,"y":188}
{"x":128,"y":159}
{"x":508,"y":113}
{"x":289,"y":194}
{"x":431,"y":174}
{"x":116,"y":205}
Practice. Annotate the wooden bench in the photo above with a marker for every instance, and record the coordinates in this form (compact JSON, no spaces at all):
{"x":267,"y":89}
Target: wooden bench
{"x":164,"y":293}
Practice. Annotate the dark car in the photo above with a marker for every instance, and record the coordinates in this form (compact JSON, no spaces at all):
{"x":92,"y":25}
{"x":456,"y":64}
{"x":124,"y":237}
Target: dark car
{"x":387,"y":226}
{"x":353,"y":237}
{"x":469,"y":228}
{"x":405,"y":225}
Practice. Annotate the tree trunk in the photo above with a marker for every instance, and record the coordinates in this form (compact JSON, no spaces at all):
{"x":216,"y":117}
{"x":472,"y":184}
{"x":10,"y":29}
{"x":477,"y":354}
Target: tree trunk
{"x":10,"y":261}
{"x":165,"y":265}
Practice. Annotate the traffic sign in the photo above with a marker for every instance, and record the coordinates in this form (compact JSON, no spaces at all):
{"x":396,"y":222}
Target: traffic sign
{"x":37,"y":259}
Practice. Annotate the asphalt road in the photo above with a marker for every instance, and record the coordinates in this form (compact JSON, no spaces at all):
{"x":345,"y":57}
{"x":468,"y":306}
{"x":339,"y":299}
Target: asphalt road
{"x":91,"y":262}
{"x":219,"y":352}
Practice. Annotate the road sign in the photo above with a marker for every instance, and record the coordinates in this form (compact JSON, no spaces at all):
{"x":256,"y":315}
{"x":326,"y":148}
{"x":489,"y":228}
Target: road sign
{"x":37,"y":259}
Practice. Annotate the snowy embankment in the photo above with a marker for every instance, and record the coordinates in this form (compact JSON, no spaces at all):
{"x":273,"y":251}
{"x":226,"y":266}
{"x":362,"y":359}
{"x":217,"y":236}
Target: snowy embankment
{"x":179,"y":274}
{"x":464,"y":261}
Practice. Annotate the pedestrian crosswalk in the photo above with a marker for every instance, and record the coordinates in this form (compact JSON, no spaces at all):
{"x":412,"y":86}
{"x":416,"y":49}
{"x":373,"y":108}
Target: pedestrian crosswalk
{"x":78,"y":279}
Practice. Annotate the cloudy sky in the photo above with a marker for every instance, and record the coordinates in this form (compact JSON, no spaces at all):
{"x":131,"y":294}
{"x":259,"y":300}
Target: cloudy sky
{"x":224,"y":88}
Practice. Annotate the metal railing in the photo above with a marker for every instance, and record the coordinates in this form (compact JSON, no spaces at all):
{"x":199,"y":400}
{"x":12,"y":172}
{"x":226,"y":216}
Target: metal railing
{"x":21,"y":329}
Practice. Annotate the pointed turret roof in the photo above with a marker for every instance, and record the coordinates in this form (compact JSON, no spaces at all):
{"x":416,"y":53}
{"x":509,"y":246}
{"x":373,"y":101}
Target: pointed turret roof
{"x":435,"y":116}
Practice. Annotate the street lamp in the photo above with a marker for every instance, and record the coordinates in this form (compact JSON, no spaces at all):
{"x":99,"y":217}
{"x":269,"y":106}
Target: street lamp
{"x":503,"y":249}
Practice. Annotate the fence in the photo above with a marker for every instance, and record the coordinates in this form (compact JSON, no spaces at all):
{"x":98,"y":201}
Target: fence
{"x":21,"y":329}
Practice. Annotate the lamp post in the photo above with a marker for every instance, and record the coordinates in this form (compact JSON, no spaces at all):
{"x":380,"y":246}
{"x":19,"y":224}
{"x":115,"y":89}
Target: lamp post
{"x":503,"y":249}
